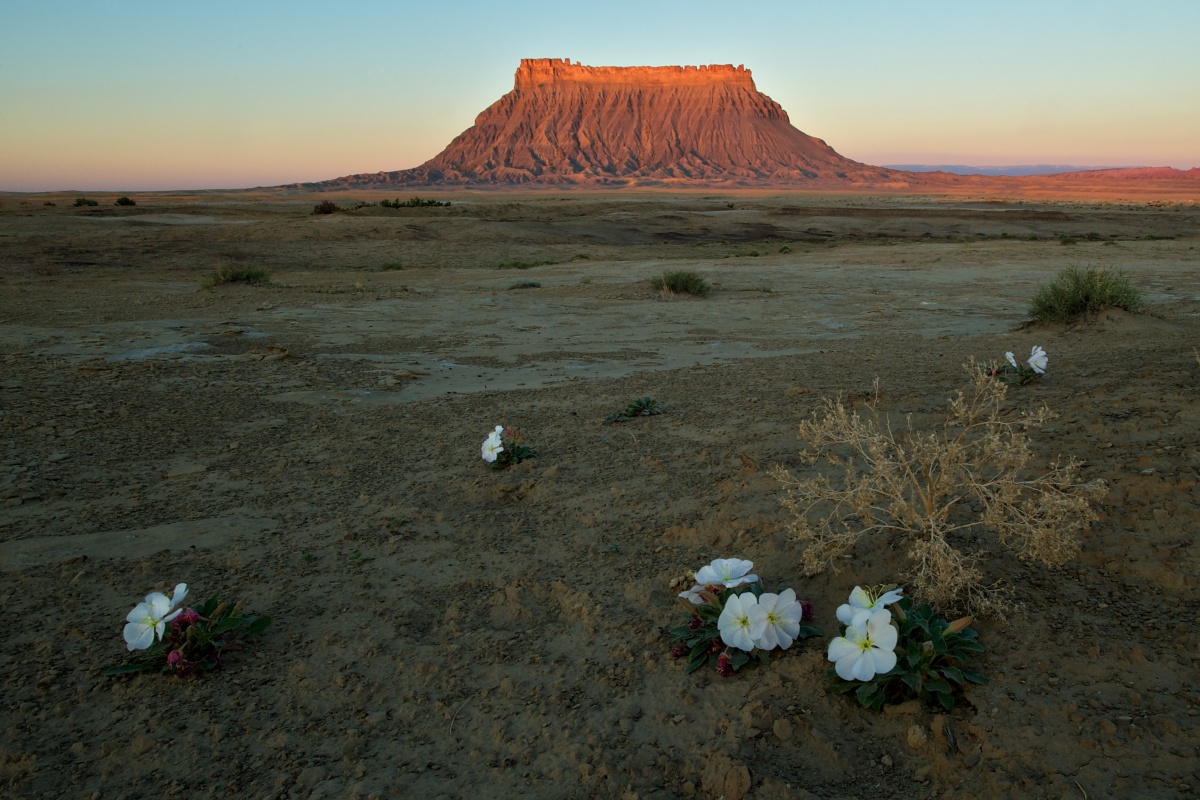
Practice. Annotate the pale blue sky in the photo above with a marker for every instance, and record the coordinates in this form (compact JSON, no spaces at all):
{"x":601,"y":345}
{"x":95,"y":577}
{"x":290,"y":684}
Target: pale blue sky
{"x":126,"y":94}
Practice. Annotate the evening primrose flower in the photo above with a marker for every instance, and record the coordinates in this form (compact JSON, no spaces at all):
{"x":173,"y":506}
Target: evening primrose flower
{"x":1038,"y":360}
{"x":865,"y":650}
{"x":149,"y":619}
{"x":492,"y":446}
{"x":728,"y":572}
{"x":781,"y":615}
{"x":865,"y":602}
{"x":694,"y":595}
{"x":739,"y":620}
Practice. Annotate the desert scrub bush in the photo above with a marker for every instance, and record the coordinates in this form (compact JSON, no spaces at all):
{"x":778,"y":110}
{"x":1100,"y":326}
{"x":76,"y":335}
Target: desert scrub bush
{"x":250,"y":275}
{"x":526,"y":285}
{"x":325,"y":207}
{"x":517,"y":264}
{"x":125,"y":201}
{"x":1077,"y":292}
{"x":681,"y":282}
{"x":84,"y":201}
{"x":934,"y":492}
{"x":390,"y":266}
{"x":415,"y":202}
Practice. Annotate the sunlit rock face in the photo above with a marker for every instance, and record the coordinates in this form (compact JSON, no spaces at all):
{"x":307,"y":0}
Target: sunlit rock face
{"x":568,"y":124}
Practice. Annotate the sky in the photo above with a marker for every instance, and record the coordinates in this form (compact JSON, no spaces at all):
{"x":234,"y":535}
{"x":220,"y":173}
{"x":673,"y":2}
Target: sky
{"x":137,"y":95}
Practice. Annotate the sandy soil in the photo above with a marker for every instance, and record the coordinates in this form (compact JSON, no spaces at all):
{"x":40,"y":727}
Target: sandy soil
{"x":445,"y":630}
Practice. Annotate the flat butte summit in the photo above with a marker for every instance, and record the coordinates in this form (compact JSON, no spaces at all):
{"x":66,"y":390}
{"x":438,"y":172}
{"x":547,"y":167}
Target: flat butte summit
{"x":565,"y":124}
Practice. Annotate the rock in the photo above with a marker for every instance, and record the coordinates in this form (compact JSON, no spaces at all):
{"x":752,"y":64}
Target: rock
{"x":783,"y":730}
{"x":917,"y":737}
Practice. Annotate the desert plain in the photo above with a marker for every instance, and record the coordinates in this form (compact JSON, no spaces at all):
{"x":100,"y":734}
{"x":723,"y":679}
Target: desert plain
{"x":445,"y":630}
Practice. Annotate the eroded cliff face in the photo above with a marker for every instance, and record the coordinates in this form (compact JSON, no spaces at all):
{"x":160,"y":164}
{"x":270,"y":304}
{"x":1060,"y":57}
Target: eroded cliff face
{"x":568,"y":124}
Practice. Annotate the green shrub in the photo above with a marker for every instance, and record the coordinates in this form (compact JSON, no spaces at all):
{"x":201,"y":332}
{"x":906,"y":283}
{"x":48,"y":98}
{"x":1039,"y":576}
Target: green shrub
{"x":250,"y":275}
{"x":1077,"y":292}
{"x":415,"y":202}
{"x":325,"y":207}
{"x":125,"y":201}
{"x":526,"y":285}
{"x":389,"y":266}
{"x":682,"y":282}
{"x":516,"y":264}
{"x":83,"y":201}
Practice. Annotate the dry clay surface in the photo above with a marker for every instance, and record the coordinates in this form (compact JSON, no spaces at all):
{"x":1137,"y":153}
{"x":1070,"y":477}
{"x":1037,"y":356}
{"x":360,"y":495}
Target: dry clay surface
{"x":445,"y":630}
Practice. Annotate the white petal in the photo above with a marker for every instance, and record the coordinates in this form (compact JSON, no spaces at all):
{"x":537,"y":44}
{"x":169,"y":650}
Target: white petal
{"x":859,"y":598}
{"x":863,"y":669}
{"x":841,"y":648}
{"x":138,"y":636}
{"x":845,"y":614}
{"x":891,"y":597}
{"x":845,"y":667}
{"x":881,"y":660}
{"x":181,"y":591}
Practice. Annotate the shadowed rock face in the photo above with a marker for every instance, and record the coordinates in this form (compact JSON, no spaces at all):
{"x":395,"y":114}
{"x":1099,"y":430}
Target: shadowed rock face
{"x":569,"y":124}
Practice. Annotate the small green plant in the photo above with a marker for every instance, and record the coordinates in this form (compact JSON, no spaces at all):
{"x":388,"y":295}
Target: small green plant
{"x":250,"y":275}
{"x":325,"y":207}
{"x":1067,"y":240}
{"x":83,"y":201}
{"x":931,"y":659}
{"x":787,"y":248}
{"x":732,"y":623}
{"x":50,"y":204}
{"x":681,"y":282}
{"x":642,"y":407}
{"x":1079,"y":292}
{"x":125,"y":201}
{"x":504,"y":446}
{"x":390,"y":266}
{"x":526,"y":285}
{"x":181,"y":640}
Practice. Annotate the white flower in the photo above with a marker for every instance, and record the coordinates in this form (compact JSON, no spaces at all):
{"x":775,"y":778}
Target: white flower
{"x":1038,"y":359}
{"x":740,"y":618}
{"x":177,"y":596}
{"x":865,"y":651}
{"x":492,"y":446}
{"x":149,"y":619}
{"x":863,"y":603}
{"x":693,"y":595}
{"x":1011,"y":358}
{"x":728,"y":572}
{"x":781,"y":615}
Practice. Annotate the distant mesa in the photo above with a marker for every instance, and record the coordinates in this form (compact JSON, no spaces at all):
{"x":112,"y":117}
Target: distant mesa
{"x":568,"y":124}
{"x":565,"y":124}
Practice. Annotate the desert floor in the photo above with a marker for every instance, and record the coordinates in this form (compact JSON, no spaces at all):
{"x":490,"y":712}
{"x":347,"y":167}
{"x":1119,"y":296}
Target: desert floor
{"x":442,"y":629}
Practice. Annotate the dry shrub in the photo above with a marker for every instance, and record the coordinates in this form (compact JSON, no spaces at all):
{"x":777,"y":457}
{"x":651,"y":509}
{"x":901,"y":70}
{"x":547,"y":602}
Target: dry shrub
{"x":936,"y":491}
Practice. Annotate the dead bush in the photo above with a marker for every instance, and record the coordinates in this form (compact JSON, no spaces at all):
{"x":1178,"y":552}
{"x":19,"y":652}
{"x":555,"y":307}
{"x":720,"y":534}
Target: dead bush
{"x":935,"y":491}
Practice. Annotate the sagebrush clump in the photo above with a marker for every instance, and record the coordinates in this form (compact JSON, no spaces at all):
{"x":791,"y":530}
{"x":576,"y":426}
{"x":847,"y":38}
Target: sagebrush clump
{"x":1077,"y":292}
{"x":935,"y":491}
{"x":682,"y":282}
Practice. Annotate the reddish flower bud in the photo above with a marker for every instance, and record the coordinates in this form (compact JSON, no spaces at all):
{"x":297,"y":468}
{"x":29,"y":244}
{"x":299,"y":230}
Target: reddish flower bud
{"x":679,"y":651}
{"x":724,"y":665}
{"x":806,"y":610}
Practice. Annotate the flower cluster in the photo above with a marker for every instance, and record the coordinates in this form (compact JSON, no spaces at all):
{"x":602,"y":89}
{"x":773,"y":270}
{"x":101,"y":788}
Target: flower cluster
{"x":920,"y":655}
{"x":732,"y":622}
{"x":503,"y":446}
{"x":1021,"y":374}
{"x":174,"y":638}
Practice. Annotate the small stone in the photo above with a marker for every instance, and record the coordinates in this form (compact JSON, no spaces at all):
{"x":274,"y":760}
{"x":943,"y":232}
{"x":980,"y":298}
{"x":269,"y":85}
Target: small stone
{"x":917,"y":737}
{"x":887,"y":761}
{"x":783,"y":730}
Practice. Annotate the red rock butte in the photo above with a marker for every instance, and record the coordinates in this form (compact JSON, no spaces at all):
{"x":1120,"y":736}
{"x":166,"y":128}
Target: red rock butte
{"x":569,"y":124}
{"x":565,"y":124}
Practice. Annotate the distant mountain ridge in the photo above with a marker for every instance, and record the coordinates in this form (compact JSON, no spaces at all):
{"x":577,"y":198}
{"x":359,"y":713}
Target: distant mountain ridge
{"x":1016,"y":170}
